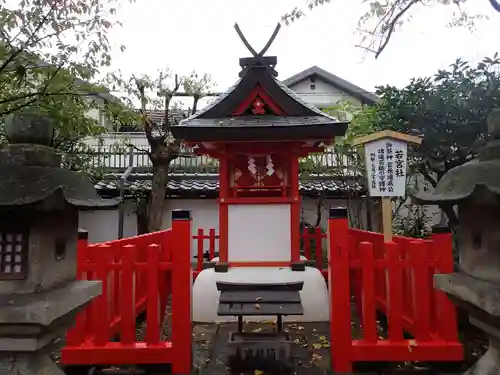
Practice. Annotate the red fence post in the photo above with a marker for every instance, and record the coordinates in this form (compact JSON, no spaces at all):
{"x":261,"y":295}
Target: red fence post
{"x":340,"y":299}
{"x":395,"y":292}
{"x":211,"y":242}
{"x":368,"y":306}
{"x":446,"y":314}
{"x":421,"y":289}
{"x":181,"y":291}
{"x":153,"y":292}
{"x":102,"y":256}
{"x":201,"y":240}
{"x":127,"y":295}
{"x":306,"y":240}
{"x":77,"y":334}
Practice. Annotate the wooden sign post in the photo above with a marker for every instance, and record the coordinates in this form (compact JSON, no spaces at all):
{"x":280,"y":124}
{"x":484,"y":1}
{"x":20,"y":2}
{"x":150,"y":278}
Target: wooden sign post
{"x":385,"y":164}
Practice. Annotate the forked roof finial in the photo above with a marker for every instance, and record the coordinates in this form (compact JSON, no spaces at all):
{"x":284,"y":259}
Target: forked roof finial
{"x":258,"y":59}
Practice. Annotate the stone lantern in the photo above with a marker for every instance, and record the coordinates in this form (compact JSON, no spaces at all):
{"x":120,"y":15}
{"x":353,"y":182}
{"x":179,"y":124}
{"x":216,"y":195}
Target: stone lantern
{"x":474,"y":188}
{"x":39,"y":203}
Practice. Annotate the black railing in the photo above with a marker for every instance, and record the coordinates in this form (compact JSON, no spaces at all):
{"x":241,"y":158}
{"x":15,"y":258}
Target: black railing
{"x":118,"y":157}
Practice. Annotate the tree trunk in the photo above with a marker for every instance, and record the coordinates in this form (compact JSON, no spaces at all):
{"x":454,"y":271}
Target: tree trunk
{"x":142,"y":215}
{"x":157,"y":198}
{"x":451,"y":215}
{"x":319,"y":213}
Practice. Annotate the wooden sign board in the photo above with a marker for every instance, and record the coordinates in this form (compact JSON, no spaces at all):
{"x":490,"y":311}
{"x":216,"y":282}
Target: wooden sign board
{"x":386,"y":165}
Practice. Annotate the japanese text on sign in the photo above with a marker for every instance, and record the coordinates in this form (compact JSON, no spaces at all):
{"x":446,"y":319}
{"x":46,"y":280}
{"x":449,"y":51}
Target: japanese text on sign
{"x":386,"y":167}
{"x":251,"y":353}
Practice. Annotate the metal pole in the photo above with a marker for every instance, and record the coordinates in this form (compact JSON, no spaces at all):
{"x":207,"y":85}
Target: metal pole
{"x":123,"y":178}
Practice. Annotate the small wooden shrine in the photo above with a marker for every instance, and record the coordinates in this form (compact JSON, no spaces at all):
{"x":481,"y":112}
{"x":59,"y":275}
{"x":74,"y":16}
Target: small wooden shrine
{"x":258,"y":130}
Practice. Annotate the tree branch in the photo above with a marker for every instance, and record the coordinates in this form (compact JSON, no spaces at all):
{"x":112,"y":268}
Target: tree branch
{"x":37,"y":29}
{"x":389,"y":29}
{"x":168,"y":98}
{"x":139,"y":149}
{"x":147,"y":124}
{"x":495,"y":4}
{"x":427,"y":176}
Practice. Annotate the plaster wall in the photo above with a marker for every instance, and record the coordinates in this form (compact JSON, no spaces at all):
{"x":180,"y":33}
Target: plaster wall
{"x":103,"y":225}
{"x":323,"y":95}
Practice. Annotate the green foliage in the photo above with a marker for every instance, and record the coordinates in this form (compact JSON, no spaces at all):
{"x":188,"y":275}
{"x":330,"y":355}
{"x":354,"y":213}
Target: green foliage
{"x":411,"y":221}
{"x":360,"y":119}
{"x":49,"y":54}
{"x":298,"y":12}
{"x":448,"y":110}
{"x":348,"y":160}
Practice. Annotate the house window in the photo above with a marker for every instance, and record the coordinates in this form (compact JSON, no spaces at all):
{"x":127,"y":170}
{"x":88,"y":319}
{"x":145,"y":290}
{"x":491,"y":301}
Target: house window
{"x":313,"y":86}
{"x":313,"y":79}
{"x":13,"y":255}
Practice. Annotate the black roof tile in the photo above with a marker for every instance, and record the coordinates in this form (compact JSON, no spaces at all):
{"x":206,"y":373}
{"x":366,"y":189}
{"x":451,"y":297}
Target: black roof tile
{"x":208,"y":183}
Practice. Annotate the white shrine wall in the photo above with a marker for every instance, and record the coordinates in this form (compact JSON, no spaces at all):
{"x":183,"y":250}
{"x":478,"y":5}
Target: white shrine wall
{"x":259,"y":232}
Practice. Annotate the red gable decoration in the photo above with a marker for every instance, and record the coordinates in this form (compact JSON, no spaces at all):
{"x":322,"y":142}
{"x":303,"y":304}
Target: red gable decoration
{"x":259,"y":102}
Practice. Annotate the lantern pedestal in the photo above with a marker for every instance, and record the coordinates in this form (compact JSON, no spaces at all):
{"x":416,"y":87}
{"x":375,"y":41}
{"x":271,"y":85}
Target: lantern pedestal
{"x":30,"y":323}
{"x":314,"y":294}
{"x":480,"y":299}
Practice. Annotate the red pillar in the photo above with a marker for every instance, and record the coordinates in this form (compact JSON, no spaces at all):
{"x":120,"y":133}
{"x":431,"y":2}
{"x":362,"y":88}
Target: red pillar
{"x":338,"y":282}
{"x":181,"y":291}
{"x":295,"y":209}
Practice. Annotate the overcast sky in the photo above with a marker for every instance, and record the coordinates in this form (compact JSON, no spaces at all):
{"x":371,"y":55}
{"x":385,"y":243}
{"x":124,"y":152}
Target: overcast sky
{"x":198,"y":34}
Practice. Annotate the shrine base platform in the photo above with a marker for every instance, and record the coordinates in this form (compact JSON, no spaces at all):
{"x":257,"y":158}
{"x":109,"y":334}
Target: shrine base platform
{"x":314,"y":294}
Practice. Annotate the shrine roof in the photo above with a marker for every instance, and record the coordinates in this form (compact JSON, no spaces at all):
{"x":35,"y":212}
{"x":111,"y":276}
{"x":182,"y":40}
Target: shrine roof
{"x":280,"y":112}
{"x":302,"y":120}
{"x":308,"y":109}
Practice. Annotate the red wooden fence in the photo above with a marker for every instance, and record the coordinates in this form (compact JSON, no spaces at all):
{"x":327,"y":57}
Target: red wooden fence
{"x":137,"y":275}
{"x":396,"y":279}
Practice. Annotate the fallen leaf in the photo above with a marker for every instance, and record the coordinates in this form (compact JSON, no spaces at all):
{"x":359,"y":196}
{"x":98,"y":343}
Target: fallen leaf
{"x":317,"y":346}
{"x":258,"y":372}
{"x":316,"y":357}
{"x":257,"y":306}
{"x":257,"y":330}
{"x":411,"y":345}
{"x":300,"y":328}
{"x":258,"y":299}
{"x":323,"y":338}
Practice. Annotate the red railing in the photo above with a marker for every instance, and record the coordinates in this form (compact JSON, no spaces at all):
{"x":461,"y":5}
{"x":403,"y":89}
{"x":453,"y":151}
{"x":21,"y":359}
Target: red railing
{"x":312,"y":241}
{"x":137,"y":276}
{"x":394,"y":278}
